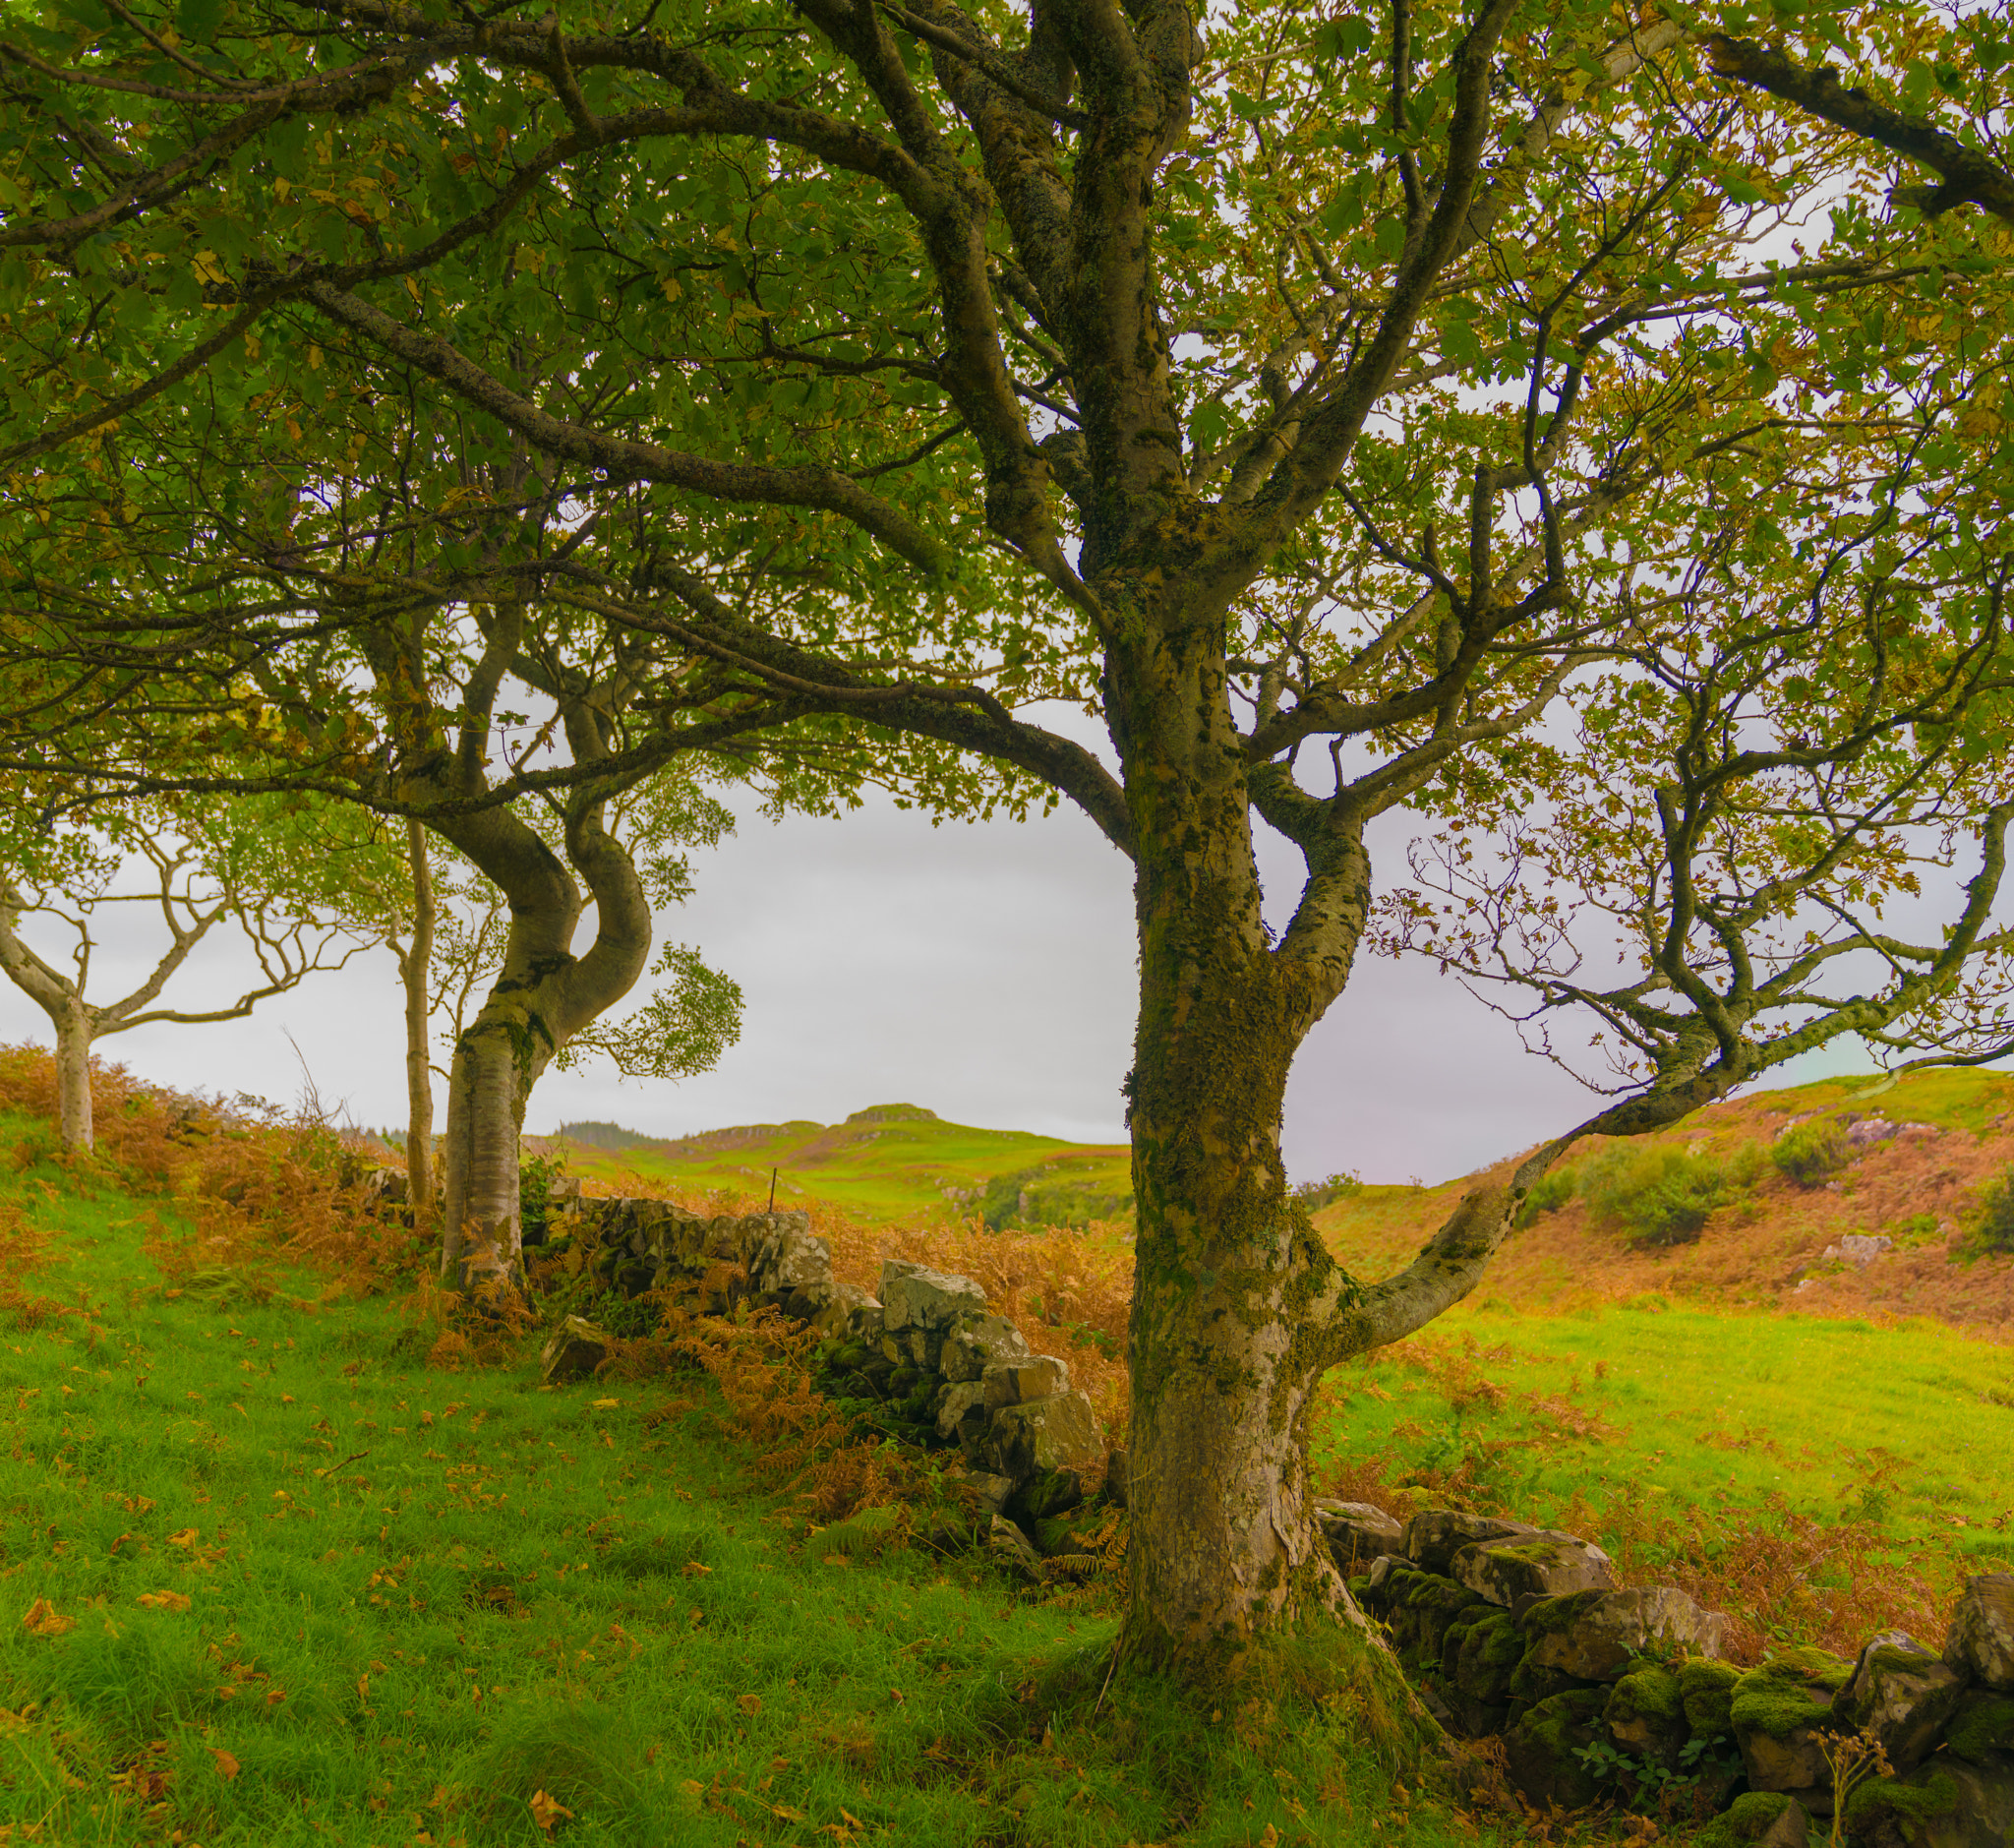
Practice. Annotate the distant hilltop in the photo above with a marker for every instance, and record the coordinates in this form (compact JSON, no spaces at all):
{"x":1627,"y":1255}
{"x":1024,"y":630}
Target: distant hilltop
{"x":615,"y":1138}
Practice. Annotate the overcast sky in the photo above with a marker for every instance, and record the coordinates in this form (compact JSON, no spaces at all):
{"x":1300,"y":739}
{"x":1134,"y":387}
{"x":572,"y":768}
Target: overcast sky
{"x":985,"y":972}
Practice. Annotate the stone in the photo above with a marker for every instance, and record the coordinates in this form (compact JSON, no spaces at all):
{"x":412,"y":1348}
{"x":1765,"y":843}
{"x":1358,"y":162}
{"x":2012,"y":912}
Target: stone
{"x":1862,"y":1248}
{"x":1707,"y":1690}
{"x":1645,"y":1714}
{"x":1379,"y":1577}
{"x":849,"y":1313}
{"x":1490,"y":1651}
{"x":782,"y":1256}
{"x":1983,"y":1727}
{"x":955,"y":1402}
{"x":1434,"y":1535}
{"x":1059,"y":1433}
{"x":1943,"y":1804}
{"x":1010,"y":1546}
{"x":1048,"y":1495}
{"x":1767,"y":1818}
{"x":1782,"y":1713}
{"x":1358,"y":1533}
{"x":1541,"y":1750}
{"x":1022,"y":1382}
{"x":1423,"y":1606}
{"x":1593,"y":1633}
{"x":913,"y":1296}
{"x":974,"y":1342}
{"x":1981,"y":1644}
{"x":572,"y":1352}
{"x":1518,"y":1573}
{"x":1902,"y":1695}
{"x":989,"y":1493}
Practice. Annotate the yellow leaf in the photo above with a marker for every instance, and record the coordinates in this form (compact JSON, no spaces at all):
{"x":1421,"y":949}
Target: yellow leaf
{"x":546,"y":1811}
{"x":750,"y":1704}
{"x":187,"y":1537}
{"x":164,"y":1600}
{"x":44,"y":1620}
{"x":281,"y":187}
{"x":227,"y":1767}
{"x":603,"y":1405}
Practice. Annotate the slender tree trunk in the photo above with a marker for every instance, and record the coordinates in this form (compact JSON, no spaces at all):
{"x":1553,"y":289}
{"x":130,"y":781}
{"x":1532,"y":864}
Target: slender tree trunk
{"x":73,"y":1079}
{"x":419,"y":1083}
{"x":496,"y":1062}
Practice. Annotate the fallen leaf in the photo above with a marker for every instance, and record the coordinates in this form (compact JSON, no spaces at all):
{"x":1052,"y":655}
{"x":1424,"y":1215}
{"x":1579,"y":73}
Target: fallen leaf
{"x":545,"y":1811}
{"x":603,"y":1405}
{"x":44,"y":1620}
{"x":227,"y":1767}
{"x":188,"y":1536}
{"x":692,"y":1569}
{"x":750,"y":1703}
{"x":164,"y":1600}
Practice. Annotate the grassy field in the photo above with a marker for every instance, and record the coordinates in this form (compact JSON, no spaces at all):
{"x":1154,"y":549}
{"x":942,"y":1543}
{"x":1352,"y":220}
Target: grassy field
{"x":293,"y":1559}
{"x":278,"y":1577}
{"x":886,"y":1163}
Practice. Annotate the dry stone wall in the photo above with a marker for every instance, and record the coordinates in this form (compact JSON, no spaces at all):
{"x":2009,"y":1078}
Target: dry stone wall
{"x":1519,"y":1634}
{"x":927,"y":1355}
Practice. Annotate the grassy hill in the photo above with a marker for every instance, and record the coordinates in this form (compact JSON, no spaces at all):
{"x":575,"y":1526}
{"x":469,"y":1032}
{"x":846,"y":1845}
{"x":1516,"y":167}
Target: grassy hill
{"x":1764,"y":1233}
{"x":889,"y":1162}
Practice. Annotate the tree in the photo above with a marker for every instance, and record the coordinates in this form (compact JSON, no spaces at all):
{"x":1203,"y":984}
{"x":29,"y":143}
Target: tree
{"x":1368,"y":385}
{"x":273,"y":869}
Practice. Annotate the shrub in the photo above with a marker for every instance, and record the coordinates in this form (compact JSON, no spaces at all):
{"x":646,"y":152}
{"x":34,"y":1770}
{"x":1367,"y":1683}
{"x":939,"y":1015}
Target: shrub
{"x":1811,"y":1152}
{"x":1991,"y":1221}
{"x":1317,"y":1194}
{"x":1658,"y":1196}
{"x":1552,"y":1190}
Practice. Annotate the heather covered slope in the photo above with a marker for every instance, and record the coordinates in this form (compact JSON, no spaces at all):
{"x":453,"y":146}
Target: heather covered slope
{"x":1925,"y":1147}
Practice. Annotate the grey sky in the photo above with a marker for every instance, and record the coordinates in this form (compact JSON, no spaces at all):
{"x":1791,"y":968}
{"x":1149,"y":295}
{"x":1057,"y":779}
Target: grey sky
{"x":983,"y":971}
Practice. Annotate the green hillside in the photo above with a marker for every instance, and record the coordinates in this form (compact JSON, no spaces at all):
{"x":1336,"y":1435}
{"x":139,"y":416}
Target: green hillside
{"x":890,"y":1161}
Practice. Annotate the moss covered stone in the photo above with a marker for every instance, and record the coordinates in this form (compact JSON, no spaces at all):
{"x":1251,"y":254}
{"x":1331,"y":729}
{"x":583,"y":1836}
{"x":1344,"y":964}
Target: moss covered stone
{"x":1750,"y":1818}
{"x":1551,"y":1615}
{"x":1982,"y":1724}
{"x":1787,"y":1692}
{"x":1491,"y":1649}
{"x":1707,"y":1689}
{"x":1542,"y":1750}
{"x":1904,"y":1803}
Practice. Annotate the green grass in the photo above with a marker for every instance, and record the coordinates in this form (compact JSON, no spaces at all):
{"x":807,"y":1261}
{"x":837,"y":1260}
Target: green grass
{"x":881,"y":1171}
{"x":416,"y":1600}
{"x":1696,"y":1406}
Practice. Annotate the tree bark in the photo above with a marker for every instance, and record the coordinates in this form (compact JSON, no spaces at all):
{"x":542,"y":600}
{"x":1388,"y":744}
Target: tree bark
{"x":415,"y":967}
{"x":73,"y":1078}
{"x":542,"y":998}
{"x":1227,"y":1265}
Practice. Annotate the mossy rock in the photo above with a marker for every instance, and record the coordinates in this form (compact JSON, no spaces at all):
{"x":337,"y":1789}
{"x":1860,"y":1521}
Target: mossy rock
{"x":1491,"y":1649}
{"x":1900,"y":1802}
{"x":1787,"y":1692}
{"x":1750,"y":1818}
{"x":1651,"y":1692}
{"x":1706,"y":1689}
{"x":1551,"y":1614}
{"x":1983,"y":1724}
{"x":1542,"y":1748}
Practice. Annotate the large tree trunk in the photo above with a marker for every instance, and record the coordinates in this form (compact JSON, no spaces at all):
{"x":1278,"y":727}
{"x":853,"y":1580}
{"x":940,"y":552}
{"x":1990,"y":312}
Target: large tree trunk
{"x":1224,"y":1544}
{"x":73,"y":1079}
{"x":417,"y":967}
